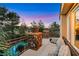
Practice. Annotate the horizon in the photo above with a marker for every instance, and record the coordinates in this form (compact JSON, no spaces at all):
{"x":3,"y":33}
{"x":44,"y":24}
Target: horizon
{"x":29,"y":12}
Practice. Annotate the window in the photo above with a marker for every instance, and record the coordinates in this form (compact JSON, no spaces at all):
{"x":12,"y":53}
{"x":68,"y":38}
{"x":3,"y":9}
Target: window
{"x":77,"y":16}
{"x":77,"y":29}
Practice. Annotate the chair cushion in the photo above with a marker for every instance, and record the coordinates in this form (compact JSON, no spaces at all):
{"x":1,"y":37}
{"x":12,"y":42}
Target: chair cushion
{"x":59,"y":43}
{"x":55,"y":51}
{"x":64,"y":51}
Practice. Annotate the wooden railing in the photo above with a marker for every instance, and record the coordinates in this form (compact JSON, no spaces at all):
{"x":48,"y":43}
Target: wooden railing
{"x":14,"y":41}
{"x":73,"y":51}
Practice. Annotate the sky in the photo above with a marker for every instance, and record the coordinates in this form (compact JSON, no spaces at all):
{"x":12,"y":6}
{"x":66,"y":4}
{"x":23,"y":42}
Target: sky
{"x":29,"y":12}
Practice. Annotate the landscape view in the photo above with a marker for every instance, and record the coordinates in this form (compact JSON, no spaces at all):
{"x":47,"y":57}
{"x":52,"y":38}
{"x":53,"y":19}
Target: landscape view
{"x":38,"y":29}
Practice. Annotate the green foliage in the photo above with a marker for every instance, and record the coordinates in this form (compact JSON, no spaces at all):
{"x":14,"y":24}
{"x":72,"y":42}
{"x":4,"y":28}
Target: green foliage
{"x":33,"y":24}
{"x":8,"y":20}
{"x":21,"y":31}
{"x":54,"y":29}
{"x":24,"y":27}
{"x":3,"y":10}
{"x":7,"y":29}
{"x":13,"y":19}
{"x":41,"y":26}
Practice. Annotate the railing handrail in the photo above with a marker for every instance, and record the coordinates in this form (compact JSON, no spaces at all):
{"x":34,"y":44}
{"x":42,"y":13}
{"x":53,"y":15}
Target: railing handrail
{"x":74,"y":52}
{"x":17,"y":40}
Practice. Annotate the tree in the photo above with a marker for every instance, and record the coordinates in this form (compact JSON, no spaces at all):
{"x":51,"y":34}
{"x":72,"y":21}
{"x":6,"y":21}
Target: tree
{"x":41,"y":26}
{"x":3,"y":12}
{"x":54,"y":29}
{"x":8,"y":22}
{"x":33,"y":26}
{"x":8,"y":19}
{"x":13,"y":19}
{"x":23,"y":28}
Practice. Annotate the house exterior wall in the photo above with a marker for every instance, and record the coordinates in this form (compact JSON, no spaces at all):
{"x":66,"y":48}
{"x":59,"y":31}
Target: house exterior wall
{"x":67,"y":24}
{"x":63,"y":27}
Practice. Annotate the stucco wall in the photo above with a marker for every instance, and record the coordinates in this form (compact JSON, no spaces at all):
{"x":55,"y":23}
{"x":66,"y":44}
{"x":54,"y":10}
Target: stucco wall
{"x":63,"y":27}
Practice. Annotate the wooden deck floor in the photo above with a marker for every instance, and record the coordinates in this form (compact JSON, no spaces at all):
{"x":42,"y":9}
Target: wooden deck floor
{"x":42,"y":51}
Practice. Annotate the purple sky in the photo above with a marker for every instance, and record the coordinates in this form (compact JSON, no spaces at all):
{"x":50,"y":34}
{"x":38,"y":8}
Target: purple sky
{"x":46,"y":19}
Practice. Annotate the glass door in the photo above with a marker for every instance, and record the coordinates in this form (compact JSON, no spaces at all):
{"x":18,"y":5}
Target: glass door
{"x":77,"y":28}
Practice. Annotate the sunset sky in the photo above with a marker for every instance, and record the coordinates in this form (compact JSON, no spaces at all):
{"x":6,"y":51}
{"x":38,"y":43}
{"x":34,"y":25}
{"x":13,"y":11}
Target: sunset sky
{"x":28,"y":12}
